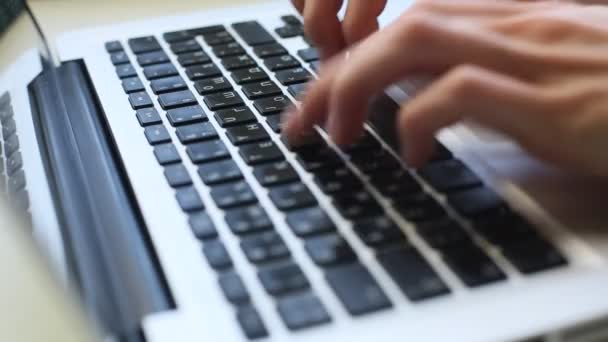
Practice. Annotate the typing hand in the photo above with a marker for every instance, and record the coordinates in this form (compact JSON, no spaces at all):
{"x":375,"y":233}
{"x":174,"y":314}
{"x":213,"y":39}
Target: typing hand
{"x":537,"y":71}
{"x":328,"y":33}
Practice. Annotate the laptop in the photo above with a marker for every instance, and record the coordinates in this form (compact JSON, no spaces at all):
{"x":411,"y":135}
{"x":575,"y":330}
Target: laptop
{"x":151,"y":167}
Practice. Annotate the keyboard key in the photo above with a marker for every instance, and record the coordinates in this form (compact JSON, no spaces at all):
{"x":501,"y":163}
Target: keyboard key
{"x":253,"y":33}
{"x":474,"y":202}
{"x":251,"y":323}
{"x":297,"y":90}
{"x":193,"y":58}
{"x":207,"y":151}
{"x":292,"y":196}
{"x":205,"y":30}
{"x":503,"y":227}
{"x":217,"y":255}
{"x":189,"y":200}
{"x":358,"y":204}
{"x":190,"y":45}
{"x":9,"y":127}
{"x":21,"y":201}
{"x":223,"y":100}
{"x":309,"y":221}
{"x":243,"y":76}
{"x":11,"y":145}
{"x":233,"y":195}
{"x":177,"y":99}
{"x":235,"y":116}
{"x":177,"y":175}
{"x":238,"y":62}
{"x":261,"y":89}
{"x":338,"y":180}
{"x":309,"y":55}
{"x":357,"y":289}
{"x":247,"y":220}
{"x":153,"y":72}
{"x":168,"y":84}
{"x":186,"y":115}
{"x":281,"y":62}
{"x":177,"y":36}
{"x":449,"y":175}
{"x":201,"y":71}
{"x":233,"y":288}
{"x":315,"y":66}
{"x":125,"y":71}
{"x":202,"y":226}
{"x":329,"y":250}
{"x":262,"y":152}
{"x":284,"y":278}
{"x":275,"y":122}
{"x":150,"y":58}
{"x":276,"y":173}
{"x":444,"y":233}
{"x":472,"y":265}
{"x":219,"y":172}
{"x":218,"y":38}
{"x":292,"y":76}
{"x":140,"y":100}
{"x":212,"y":85}
{"x":264,"y":247}
{"x":247,"y":134}
{"x":272,"y":105}
{"x":302,"y":311}
{"x":16,"y":182}
{"x":166,"y":154}
{"x":157,"y":134}
{"x":143,"y":44}
{"x":132,"y":84}
{"x":226,"y":50}
{"x":269,"y":50}
{"x":319,"y":158}
{"x":288,"y":31}
{"x":395,"y":183}
{"x":196,"y":132}
{"x":412,"y":273}
{"x":291,"y":20}
{"x":533,"y":255}
{"x":148,"y":116}
{"x":419,"y":207}
{"x":119,"y":57}
{"x":379,"y":231}
{"x":113,"y":46}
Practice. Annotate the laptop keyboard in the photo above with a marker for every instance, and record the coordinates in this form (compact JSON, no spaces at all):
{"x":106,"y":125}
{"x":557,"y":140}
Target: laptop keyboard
{"x":452,"y":211}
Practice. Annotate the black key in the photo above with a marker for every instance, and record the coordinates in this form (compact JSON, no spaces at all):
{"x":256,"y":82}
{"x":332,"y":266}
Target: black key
{"x":140,"y":100}
{"x":113,"y":46}
{"x":11,"y":145}
{"x":379,"y":231}
{"x":281,"y":62}
{"x":177,"y":99}
{"x":281,"y":279}
{"x":177,"y":36}
{"x":231,"y":49}
{"x":188,"y":199}
{"x":315,"y":159}
{"x":315,"y":66}
{"x":253,"y":33}
{"x":217,"y":255}
{"x":125,"y":71}
{"x":233,"y":195}
{"x":309,"y":55}
{"x":357,"y":289}
{"x":247,"y":220}
{"x":193,"y":58}
{"x":374,"y":161}
{"x":206,"y":30}
{"x":445,"y":233}
{"x":533,"y":255}
{"x":292,"y":196}
{"x":261,"y":89}
{"x":302,"y":311}
{"x":166,"y":154}
{"x":202,"y":226}
{"x":148,"y":116}
{"x":6,"y":111}
{"x":144,"y":44}
{"x":168,"y":84}
{"x":150,"y":58}
{"x":212,"y":85}
{"x":357,"y":204}
{"x":238,"y":62}
{"x":251,"y":323}
{"x":291,"y":20}
{"x":275,"y":122}
{"x":337,"y":180}
{"x":247,"y":134}
{"x":132,"y":84}
{"x":364,"y":144}
{"x":274,"y":174}
{"x":309,"y":221}
{"x":475,"y":202}
{"x":234,"y":116}
{"x":201,"y":71}
{"x":395,"y":183}
{"x":177,"y":175}
{"x":441,"y":153}
{"x":419,"y":208}
{"x":297,"y":90}
{"x":186,"y":115}
{"x":196,"y":132}
{"x":262,"y":152}
{"x":157,"y":134}
{"x":264,"y":247}
{"x":153,"y":72}
{"x":269,"y":50}
{"x":219,"y":172}
{"x":119,"y":57}
{"x":329,"y":250}
{"x":449,"y":175}
{"x":21,"y":201}
{"x":472,"y":265}
{"x":289,"y":31}
{"x":223,"y":100}
{"x":16,"y":182}
{"x":190,"y":45}
{"x":272,"y":105}
{"x":412,"y":273}
{"x":249,"y":75}
{"x":218,"y":38}
{"x":233,"y":288}
{"x":207,"y":151}
{"x":503,"y":227}
{"x":9,"y":127}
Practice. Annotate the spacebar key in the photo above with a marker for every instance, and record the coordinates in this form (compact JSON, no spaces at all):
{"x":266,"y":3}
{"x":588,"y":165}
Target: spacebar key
{"x":357,"y":289}
{"x":253,"y":33}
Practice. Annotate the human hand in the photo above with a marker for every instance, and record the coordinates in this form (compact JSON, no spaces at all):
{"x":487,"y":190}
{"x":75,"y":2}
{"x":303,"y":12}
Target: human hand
{"x":535,"y":71}
{"x":328,"y":33}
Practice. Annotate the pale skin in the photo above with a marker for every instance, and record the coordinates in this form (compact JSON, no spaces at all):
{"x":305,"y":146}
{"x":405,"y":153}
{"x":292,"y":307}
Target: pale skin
{"x":536,"y":71}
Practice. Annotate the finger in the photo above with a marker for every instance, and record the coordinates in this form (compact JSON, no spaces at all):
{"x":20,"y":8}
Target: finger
{"x":323,"y":27}
{"x":299,"y":5}
{"x":361,"y":19}
{"x":477,"y":7}
{"x":492,"y":99}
